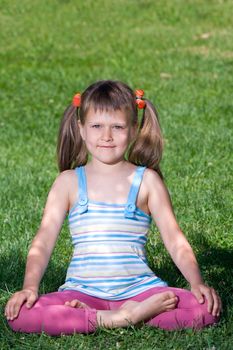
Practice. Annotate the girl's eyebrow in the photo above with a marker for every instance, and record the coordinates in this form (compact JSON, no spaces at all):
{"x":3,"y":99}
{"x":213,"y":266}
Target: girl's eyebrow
{"x":115,"y":123}
{"x":119,"y":123}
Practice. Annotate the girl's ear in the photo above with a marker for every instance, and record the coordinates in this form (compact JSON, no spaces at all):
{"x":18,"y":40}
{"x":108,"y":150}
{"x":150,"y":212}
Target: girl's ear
{"x":81,"y":130}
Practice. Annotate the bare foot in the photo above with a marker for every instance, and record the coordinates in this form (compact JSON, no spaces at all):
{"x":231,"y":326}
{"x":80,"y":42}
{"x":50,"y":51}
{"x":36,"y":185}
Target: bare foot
{"x":150,"y":307}
{"x":132,"y":312}
{"x":77,"y":304}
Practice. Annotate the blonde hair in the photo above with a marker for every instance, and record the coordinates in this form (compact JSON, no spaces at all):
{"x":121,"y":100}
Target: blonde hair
{"x":107,"y":95}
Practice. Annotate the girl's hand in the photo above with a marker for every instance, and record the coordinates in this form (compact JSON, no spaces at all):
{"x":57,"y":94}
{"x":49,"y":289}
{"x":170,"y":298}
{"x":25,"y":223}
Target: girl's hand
{"x":17,"y":300}
{"x":202,"y":292}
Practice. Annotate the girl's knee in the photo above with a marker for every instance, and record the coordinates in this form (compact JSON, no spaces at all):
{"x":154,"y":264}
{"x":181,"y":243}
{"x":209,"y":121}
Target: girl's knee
{"x":201,"y":316}
{"x":26,"y":320}
{"x":16,"y":324}
{"x":196,"y":314}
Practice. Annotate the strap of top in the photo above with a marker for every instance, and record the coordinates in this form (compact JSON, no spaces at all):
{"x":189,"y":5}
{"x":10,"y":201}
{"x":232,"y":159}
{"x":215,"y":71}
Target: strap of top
{"x":82,"y":190}
{"x":130,"y":207}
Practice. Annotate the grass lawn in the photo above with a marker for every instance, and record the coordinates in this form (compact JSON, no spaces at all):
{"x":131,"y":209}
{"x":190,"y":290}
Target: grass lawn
{"x":180,"y":52}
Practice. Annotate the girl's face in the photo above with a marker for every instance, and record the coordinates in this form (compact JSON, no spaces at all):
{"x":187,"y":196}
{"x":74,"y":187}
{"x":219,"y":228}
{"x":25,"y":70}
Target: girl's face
{"x":107,"y":134}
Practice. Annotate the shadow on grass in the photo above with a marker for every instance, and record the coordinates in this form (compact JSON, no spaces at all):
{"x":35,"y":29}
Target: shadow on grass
{"x":12,"y":269}
{"x":216,"y":266}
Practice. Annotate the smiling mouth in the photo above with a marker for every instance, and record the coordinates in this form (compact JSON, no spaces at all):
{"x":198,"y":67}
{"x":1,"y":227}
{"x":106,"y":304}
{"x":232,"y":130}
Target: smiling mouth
{"x":106,"y":146}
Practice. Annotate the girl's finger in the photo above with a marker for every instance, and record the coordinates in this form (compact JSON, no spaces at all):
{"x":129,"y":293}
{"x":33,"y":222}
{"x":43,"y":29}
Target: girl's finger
{"x":14,"y":311}
{"x":217,"y":306}
{"x":215,"y":309}
{"x":31,"y":300}
{"x":198,"y":295}
{"x":10,"y":309}
{"x":15,"y":305}
{"x":210,"y":301}
{"x":6,"y":309}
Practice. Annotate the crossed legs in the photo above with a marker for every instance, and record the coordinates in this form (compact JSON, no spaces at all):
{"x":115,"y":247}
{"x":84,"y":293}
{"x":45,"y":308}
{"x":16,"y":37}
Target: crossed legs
{"x":131,"y":311}
{"x":71,"y":312}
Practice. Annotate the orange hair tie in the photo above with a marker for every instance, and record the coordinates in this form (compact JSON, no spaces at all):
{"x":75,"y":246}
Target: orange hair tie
{"x":77,"y":100}
{"x":139,"y":99}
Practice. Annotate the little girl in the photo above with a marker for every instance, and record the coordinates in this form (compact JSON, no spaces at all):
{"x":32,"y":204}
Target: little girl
{"x":112,"y":187}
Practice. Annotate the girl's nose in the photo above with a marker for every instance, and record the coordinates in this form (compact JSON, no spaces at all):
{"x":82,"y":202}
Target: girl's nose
{"x":107,"y":134}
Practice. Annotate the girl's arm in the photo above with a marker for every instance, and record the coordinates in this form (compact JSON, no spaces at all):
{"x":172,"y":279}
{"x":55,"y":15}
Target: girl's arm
{"x":160,"y":206}
{"x":42,"y":245}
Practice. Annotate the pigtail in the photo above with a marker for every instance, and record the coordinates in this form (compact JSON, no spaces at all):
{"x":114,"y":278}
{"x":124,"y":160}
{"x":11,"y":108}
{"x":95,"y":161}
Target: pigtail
{"x":148,"y":147}
{"x":71,"y":150}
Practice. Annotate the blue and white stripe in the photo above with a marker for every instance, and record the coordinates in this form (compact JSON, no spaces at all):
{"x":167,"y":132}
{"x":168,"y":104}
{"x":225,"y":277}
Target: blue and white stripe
{"x":109,"y":259}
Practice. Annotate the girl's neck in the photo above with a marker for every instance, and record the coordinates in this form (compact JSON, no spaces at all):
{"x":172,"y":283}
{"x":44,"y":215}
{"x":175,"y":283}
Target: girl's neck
{"x":98,"y":167}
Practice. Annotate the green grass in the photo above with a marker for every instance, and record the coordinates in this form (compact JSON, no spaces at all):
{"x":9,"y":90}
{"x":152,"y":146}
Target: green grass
{"x":51,"y":49}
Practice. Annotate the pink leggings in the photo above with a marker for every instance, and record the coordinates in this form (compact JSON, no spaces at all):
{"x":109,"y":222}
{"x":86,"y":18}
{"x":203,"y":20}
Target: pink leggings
{"x":49,"y":314}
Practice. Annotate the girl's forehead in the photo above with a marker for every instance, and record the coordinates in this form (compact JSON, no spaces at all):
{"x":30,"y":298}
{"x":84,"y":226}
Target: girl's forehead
{"x":108,"y":115}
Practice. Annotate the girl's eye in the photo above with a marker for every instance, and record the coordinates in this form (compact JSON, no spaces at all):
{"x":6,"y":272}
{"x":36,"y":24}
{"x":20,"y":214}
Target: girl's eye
{"x":118,"y":127}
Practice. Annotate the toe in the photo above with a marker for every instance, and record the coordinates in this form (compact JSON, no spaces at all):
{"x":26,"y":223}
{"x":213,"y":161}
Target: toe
{"x":74,"y":303}
{"x":171,"y":294}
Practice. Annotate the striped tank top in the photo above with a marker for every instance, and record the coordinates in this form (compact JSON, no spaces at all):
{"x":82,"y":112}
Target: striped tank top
{"x":109,"y":259}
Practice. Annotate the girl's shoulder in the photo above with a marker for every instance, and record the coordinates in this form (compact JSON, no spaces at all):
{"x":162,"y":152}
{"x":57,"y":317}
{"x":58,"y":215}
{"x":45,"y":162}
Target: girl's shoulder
{"x":151,"y":177}
{"x":66,"y":185}
{"x":158,"y":194}
{"x":149,"y":181}
{"x":66,"y":179}
{"x":66,"y":175}
{"x":153,"y":184}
